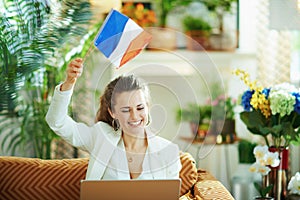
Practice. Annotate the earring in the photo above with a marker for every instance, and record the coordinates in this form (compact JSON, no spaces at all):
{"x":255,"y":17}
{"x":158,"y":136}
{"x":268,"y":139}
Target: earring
{"x":115,"y":124}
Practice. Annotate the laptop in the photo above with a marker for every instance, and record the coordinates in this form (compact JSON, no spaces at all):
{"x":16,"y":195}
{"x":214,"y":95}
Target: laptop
{"x":161,"y":189}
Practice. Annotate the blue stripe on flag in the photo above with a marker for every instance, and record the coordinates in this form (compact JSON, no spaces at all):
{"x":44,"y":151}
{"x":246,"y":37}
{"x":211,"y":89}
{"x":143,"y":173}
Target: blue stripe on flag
{"x":111,"y":32}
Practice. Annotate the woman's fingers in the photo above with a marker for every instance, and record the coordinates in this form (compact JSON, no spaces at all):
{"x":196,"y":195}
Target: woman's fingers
{"x":75,"y":68}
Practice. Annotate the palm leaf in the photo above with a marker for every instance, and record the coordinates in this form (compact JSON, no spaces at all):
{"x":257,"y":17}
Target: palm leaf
{"x":31,"y":34}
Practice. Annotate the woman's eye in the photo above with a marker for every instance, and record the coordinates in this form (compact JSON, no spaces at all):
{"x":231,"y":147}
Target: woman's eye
{"x":125,"y":111}
{"x":140,"y":108}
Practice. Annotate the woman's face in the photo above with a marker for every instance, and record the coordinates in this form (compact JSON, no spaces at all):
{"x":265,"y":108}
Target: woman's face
{"x":131,"y":109}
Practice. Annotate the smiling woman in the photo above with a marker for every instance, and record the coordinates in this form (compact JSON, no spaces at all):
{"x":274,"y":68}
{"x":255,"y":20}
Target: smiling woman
{"x":120,"y":143}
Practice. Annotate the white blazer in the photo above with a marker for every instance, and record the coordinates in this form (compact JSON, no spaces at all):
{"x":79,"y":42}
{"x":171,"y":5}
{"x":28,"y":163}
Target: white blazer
{"x":100,"y":140}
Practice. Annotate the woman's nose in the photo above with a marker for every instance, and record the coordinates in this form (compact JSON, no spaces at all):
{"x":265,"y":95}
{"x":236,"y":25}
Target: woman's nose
{"x":133,"y":114}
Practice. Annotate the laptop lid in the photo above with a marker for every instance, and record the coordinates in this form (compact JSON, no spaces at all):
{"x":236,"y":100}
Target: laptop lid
{"x":130,"y":189}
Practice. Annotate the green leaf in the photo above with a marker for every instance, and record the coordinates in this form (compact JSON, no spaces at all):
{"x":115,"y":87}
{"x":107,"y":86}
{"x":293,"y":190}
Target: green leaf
{"x":258,"y":187}
{"x":266,"y":190}
{"x":254,"y":121}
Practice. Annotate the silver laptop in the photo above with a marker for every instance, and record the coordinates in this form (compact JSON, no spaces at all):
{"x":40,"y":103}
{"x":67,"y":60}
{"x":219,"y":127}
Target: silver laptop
{"x":130,"y":189}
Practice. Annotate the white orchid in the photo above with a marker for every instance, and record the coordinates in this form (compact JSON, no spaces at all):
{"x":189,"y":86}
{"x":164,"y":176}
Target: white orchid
{"x":264,"y":159}
{"x":294,"y":184}
{"x":254,"y":167}
{"x":272,"y":159}
{"x":264,"y":170}
{"x":260,"y":151}
{"x":258,"y":168}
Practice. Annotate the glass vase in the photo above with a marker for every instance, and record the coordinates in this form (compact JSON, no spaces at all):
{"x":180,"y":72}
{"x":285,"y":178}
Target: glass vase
{"x":278,"y":176}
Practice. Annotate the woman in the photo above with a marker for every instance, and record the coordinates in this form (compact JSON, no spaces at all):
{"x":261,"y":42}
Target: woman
{"x":119,"y":143}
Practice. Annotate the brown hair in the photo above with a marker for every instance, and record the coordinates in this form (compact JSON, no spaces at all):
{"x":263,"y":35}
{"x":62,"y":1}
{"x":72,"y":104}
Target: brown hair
{"x":118,"y":85}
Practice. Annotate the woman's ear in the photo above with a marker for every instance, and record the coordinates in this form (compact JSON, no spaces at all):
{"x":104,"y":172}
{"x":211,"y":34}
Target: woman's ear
{"x":111,"y":113}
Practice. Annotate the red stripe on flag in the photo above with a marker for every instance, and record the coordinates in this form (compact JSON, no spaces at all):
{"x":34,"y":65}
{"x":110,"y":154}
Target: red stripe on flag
{"x":135,"y":47}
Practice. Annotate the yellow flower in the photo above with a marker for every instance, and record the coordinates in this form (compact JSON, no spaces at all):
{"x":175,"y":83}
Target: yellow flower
{"x":258,"y":99}
{"x":244,"y":76}
{"x":265,"y":108}
{"x":255,"y":100}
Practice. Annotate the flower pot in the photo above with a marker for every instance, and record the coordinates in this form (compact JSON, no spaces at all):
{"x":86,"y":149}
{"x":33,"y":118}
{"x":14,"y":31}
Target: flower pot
{"x":162,"y":38}
{"x":222,"y":42}
{"x":226,"y":128}
{"x":198,"y":131}
{"x":197,"y":40}
{"x":278,"y":176}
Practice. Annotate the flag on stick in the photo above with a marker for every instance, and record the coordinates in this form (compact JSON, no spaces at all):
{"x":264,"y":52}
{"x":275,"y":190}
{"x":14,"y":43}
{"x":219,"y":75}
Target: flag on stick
{"x":120,"y":39}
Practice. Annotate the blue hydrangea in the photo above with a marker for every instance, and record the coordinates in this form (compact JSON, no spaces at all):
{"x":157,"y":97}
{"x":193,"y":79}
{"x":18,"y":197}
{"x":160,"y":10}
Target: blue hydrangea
{"x":297,"y":104}
{"x":266,"y":92}
{"x":246,"y":100}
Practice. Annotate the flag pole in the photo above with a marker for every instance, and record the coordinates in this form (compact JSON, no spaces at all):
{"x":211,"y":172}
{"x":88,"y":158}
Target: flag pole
{"x":88,"y":52}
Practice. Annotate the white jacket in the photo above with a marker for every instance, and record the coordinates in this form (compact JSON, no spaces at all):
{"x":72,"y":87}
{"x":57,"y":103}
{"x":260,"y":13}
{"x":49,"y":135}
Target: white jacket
{"x":100,"y":140}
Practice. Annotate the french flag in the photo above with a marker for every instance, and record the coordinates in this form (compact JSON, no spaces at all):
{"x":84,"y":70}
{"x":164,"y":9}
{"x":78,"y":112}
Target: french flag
{"x":120,"y":39}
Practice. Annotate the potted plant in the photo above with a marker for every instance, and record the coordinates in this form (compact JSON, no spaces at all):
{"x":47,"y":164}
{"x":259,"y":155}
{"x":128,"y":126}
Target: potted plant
{"x":220,"y":8}
{"x":164,"y":37}
{"x":223,"y":121}
{"x":265,"y":160}
{"x":198,"y":31}
{"x":198,"y":116}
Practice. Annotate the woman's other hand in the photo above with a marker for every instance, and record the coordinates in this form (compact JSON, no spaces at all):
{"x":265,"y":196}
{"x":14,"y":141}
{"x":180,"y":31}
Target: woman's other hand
{"x":74,"y":70}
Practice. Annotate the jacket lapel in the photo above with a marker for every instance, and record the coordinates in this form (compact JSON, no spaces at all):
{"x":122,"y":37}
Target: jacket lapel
{"x":103,"y":154}
{"x":155,"y":158}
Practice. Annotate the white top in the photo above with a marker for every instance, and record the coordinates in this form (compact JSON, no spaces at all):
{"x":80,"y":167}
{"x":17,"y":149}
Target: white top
{"x":117,"y":168}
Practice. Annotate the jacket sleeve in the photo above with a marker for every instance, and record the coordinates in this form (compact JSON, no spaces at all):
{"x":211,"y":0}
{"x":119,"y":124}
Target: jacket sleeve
{"x":77,"y":134}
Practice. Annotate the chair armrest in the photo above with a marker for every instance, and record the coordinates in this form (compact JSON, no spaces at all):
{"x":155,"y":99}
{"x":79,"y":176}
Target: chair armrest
{"x":208,"y":187}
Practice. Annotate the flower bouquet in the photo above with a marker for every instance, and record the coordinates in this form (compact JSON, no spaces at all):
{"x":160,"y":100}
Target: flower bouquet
{"x":273,"y":113}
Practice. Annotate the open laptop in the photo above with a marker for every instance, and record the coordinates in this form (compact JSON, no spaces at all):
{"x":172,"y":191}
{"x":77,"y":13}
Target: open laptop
{"x":161,"y":189}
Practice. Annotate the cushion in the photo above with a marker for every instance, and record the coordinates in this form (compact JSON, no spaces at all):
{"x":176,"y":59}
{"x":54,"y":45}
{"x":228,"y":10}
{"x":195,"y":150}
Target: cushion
{"x":188,"y":173}
{"x":208,"y":187}
{"x":32,"y":178}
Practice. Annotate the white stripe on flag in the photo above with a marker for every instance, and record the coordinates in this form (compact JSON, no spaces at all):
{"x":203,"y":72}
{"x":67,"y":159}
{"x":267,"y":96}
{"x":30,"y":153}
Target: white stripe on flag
{"x":130,"y":32}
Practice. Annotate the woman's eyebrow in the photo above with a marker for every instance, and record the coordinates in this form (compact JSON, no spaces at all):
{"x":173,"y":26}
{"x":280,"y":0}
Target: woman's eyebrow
{"x":128,"y":107}
{"x":125,"y":107}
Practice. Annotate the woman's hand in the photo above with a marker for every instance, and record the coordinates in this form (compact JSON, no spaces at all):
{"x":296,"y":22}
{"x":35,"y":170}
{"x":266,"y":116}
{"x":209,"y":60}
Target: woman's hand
{"x":74,"y":70}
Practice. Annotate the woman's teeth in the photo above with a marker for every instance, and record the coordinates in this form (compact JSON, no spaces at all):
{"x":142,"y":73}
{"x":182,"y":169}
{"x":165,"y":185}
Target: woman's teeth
{"x":135,"y":123}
